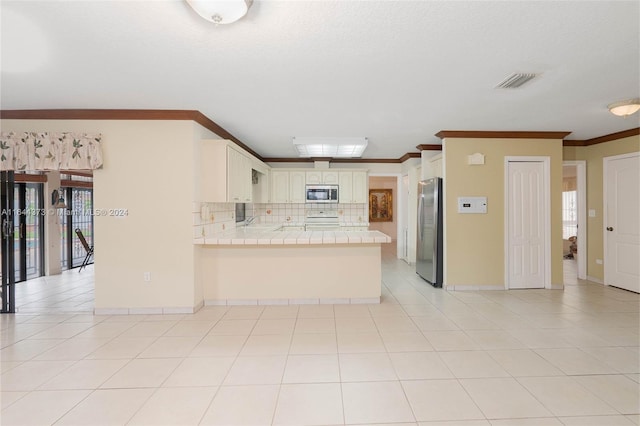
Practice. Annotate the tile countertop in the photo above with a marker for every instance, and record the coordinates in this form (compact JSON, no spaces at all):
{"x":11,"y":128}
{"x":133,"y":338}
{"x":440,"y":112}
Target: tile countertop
{"x":266,"y":236}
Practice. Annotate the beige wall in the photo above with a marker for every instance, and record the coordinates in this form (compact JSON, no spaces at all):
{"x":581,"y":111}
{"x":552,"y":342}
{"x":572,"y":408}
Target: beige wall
{"x":149,"y":170}
{"x":474,"y":246}
{"x":386,"y":182}
{"x":594,"y":155}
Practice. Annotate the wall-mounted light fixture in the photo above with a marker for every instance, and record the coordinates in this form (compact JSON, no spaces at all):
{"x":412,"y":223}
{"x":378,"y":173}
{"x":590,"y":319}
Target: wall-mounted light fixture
{"x":624,"y":108}
{"x":221,"y":11}
{"x":57,"y":200}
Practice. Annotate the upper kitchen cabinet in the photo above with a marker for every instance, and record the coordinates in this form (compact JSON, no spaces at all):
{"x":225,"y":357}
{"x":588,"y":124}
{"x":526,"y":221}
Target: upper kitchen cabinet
{"x":326,"y":177}
{"x":287,"y":186}
{"x":225,"y":173}
{"x":353,"y":186}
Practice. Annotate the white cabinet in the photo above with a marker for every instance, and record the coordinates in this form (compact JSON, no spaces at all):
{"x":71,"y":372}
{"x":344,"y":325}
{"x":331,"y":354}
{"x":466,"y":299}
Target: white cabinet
{"x":297,"y":187}
{"x":239,"y":188}
{"x":225,"y":173}
{"x":279,"y":186}
{"x":318,"y":177}
{"x":287,"y":186}
{"x":353,"y":187}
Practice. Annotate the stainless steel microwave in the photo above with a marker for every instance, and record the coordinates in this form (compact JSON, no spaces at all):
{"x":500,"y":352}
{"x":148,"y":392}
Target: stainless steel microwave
{"x":321,"y":193}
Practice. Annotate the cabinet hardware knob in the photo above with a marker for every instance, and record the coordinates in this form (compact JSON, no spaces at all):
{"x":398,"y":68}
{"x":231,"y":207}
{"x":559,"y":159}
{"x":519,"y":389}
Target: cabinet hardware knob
{"x":609,"y":228}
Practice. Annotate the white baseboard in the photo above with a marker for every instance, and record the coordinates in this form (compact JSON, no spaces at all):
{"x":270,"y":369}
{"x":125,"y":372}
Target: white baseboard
{"x":556,"y":287}
{"x":148,"y":311}
{"x":250,"y":302}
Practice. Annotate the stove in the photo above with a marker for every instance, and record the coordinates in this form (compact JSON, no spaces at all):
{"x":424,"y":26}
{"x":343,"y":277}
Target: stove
{"x":322,"y":220}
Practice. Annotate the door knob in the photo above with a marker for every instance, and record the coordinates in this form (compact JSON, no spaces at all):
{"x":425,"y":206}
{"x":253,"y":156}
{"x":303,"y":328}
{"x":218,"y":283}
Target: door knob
{"x":609,"y":228}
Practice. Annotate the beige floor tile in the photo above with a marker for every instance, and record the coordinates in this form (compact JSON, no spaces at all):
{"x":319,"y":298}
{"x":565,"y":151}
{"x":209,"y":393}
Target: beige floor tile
{"x":461,"y":423}
{"x":280,"y":312}
{"x":63,"y":331}
{"x":622,"y":359}
{"x":308,"y":344}
{"x":175,"y":406}
{"x":41,"y":407}
{"x":316,"y":311}
{"x":309,"y":404}
{"x":351,"y":311}
{"x":311,"y":369}
{"x":243,"y":312}
{"x":27,"y":349}
{"x":388,"y":324}
{"x":356,"y":324}
{"x":540,"y":339}
{"x":386,"y":310}
{"x":563,"y":396}
{"x":271,"y":344}
{"x":472,"y":321}
{"x":122,"y":348}
{"x":209,"y":371}
{"x":31,"y":374}
{"x":8,"y":398}
{"x":219,"y":346}
{"x":142,"y":373}
{"x":500,"y":398}
{"x":242,"y":405}
{"x":375,"y":402}
{"x":437,"y":400}
{"x":523,"y":363}
{"x":360,"y":343}
{"x":472,"y":364}
{"x":8,"y":365}
{"x":108,"y":329}
{"x":573,"y":361}
{"x":620,"y":392}
{"x":597,"y":421}
{"x":634,"y":377}
{"x":315,"y":325}
{"x":190,"y":329}
{"x":84,"y":374}
{"x":208,"y":313}
{"x":367,"y":367}
{"x":420,"y":365}
{"x":635,"y":419}
{"x":73,"y":349}
{"x":238,"y":327}
{"x":411,"y":341}
{"x":170,"y":347}
{"x":451,"y":341}
{"x":495,"y":339}
{"x":148,"y":329}
{"x":540,"y":421}
{"x":274,"y":326}
{"x":107,"y":407}
{"x":256,"y":370}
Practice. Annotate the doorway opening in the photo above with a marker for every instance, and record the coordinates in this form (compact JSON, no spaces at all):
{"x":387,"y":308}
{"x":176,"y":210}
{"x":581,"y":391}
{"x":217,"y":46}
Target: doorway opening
{"x":574,"y":223}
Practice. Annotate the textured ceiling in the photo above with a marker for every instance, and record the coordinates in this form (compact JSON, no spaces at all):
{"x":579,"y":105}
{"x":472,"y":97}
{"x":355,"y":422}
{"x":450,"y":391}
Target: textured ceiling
{"x":396,"y":72}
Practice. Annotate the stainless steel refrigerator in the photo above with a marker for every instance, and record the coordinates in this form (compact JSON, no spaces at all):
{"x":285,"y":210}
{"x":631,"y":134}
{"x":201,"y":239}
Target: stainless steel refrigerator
{"x":429,"y":252}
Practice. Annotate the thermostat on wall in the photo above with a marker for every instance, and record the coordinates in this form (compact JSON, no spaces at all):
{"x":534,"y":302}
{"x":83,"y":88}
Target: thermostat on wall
{"x":472,"y":204}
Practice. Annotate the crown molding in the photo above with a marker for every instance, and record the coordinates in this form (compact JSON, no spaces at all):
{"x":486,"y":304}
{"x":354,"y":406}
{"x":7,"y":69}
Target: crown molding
{"x":429,"y":147}
{"x":500,"y":134}
{"x":124,"y":114}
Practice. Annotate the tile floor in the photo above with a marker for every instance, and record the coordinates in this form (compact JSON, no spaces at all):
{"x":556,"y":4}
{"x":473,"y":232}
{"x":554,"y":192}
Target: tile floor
{"x":422,"y":357}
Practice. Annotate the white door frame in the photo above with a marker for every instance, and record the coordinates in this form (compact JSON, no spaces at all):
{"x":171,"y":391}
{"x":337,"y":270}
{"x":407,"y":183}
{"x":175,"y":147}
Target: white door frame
{"x":546,"y":196}
{"x":581,"y":178}
{"x":605,"y":169}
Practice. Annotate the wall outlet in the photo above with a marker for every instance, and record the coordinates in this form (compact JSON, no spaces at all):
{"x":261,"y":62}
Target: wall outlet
{"x":147,"y":276}
{"x":599,"y":261}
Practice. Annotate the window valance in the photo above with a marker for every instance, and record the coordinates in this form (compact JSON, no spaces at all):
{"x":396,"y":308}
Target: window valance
{"x":50,"y":151}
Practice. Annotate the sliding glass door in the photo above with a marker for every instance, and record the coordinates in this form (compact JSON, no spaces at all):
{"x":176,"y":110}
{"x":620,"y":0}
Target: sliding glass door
{"x":78,"y":215}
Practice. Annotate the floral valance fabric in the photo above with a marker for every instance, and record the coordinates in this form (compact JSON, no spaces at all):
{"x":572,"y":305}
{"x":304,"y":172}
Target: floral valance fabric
{"x":50,"y":151}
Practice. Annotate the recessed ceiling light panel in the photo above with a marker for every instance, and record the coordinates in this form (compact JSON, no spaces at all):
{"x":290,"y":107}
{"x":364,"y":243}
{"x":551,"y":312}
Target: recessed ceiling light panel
{"x":330,"y":146}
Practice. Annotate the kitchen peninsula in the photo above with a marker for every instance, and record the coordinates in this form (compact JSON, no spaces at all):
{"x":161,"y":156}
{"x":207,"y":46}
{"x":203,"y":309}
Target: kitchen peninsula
{"x":267,"y":266}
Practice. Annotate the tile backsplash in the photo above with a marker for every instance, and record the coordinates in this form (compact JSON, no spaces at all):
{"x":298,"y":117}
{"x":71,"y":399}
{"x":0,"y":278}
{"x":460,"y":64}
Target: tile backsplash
{"x":213,"y":218}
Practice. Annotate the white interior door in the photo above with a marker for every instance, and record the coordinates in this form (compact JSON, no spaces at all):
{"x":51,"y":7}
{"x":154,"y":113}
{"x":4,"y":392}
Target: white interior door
{"x":527,"y":225}
{"x":622,"y":227}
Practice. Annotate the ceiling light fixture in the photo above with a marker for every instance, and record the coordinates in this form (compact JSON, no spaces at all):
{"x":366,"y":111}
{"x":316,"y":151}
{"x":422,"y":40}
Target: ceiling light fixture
{"x":624,"y":108}
{"x":221,"y":11}
{"x":330,"y":147}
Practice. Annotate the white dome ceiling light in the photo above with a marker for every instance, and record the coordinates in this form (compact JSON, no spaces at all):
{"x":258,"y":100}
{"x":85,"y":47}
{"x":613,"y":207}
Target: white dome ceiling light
{"x":221,"y":11}
{"x":625,"y":108}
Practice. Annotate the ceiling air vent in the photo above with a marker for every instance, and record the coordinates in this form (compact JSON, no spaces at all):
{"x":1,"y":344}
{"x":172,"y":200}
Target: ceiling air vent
{"x":514,"y":81}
